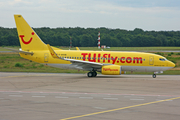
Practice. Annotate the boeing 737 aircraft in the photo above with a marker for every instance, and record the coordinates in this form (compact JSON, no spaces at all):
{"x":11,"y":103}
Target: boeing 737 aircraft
{"x":106,"y":62}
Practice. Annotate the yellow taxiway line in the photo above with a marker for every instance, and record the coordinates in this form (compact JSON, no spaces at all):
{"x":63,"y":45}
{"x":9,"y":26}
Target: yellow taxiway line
{"x":96,"y":113}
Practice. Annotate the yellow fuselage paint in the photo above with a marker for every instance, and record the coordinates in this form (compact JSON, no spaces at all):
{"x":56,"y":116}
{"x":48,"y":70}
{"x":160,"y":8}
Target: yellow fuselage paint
{"x":33,"y":48}
{"x":105,"y":57}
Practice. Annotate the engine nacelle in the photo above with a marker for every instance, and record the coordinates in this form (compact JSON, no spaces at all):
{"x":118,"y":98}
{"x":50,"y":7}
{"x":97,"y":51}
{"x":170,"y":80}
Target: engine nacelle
{"x":112,"y":70}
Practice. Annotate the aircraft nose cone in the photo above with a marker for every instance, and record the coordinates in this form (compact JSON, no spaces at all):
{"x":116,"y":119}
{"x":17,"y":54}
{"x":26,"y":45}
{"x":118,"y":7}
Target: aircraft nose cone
{"x":172,"y":64}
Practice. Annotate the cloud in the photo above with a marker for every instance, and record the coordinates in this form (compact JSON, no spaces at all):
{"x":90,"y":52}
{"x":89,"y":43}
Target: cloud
{"x":127,"y":14}
{"x":90,"y":6}
{"x":146,"y":3}
{"x":18,"y":3}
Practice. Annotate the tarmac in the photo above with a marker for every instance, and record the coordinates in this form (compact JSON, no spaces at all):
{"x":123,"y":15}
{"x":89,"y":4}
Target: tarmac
{"x":59,"y":96}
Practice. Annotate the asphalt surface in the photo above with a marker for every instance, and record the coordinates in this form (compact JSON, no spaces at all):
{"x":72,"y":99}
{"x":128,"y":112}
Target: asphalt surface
{"x":48,"y":96}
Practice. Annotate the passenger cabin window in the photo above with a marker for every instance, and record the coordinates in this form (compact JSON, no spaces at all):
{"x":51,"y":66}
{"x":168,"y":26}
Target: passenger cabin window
{"x":162,"y":59}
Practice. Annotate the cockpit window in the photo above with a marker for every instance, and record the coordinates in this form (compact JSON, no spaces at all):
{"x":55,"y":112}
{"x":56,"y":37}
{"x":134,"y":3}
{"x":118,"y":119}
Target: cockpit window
{"x":162,"y":59}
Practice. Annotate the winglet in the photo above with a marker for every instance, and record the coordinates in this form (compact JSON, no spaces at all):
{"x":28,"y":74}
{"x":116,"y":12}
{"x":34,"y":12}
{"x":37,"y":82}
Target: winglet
{"x":53,"y":54}
{"x":77,"y":48}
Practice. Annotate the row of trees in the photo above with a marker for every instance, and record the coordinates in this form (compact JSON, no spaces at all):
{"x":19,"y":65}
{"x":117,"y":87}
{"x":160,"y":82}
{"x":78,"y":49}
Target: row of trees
{"x":82,"y":37}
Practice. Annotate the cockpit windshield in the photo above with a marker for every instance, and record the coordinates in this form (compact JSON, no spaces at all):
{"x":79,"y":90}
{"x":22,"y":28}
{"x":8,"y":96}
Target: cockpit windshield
{"x":162,"y":59}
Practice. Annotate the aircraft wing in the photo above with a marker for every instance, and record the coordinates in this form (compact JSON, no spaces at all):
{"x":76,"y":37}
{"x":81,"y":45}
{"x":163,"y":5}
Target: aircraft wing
{"x":19,"y":51}
{"x":78,"y":63}
{"x":84,"y":64}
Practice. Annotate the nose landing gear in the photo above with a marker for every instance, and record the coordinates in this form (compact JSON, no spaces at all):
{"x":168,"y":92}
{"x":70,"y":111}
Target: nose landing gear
{"x":154,"y":75}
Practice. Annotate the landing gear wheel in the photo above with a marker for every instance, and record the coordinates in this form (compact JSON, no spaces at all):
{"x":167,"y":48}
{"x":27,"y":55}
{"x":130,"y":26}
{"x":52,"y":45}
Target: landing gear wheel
{"x":90,"y":74}
{"x":94,"y":74}
{"x":154,"y":75}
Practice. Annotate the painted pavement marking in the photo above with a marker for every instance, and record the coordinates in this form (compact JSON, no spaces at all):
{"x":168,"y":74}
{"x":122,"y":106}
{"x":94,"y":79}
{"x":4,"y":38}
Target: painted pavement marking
{"x":112,"y":110}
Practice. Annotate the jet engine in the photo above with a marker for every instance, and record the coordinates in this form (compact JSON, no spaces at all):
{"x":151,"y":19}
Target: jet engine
{"x":112,"y":70}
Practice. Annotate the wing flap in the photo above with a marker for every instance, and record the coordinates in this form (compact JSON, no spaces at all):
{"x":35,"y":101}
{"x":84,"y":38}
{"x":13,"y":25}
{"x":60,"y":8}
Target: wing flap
{"x":84,"y":64}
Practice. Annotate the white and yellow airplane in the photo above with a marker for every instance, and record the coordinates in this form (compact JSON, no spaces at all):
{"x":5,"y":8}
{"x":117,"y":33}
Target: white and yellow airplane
{"x":106,"y":62}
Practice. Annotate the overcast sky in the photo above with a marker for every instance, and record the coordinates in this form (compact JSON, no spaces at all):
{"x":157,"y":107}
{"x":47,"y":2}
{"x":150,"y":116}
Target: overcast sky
{"x":124,"y":14}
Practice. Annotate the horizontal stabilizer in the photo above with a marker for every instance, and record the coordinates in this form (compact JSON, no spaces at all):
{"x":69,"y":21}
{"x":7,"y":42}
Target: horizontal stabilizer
{"x":19,"y":51}
{"x":53,"y":54}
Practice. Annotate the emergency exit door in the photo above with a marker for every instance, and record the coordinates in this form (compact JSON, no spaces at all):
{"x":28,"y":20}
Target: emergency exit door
{"x":46,"y":56}
{"x":151,"y":60}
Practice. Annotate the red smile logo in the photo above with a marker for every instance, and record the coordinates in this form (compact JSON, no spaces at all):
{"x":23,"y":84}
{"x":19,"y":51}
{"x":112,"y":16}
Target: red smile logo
{"x":52,"y":54}
{"x":22,"y":38}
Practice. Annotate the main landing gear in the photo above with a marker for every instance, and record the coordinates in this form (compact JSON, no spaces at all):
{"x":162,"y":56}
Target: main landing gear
{"x":92,"y":74}
{"x":154,"y":75}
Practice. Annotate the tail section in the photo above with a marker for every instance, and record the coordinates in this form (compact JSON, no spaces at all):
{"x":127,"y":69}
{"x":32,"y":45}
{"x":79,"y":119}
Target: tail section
{"x":29,"y":40}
